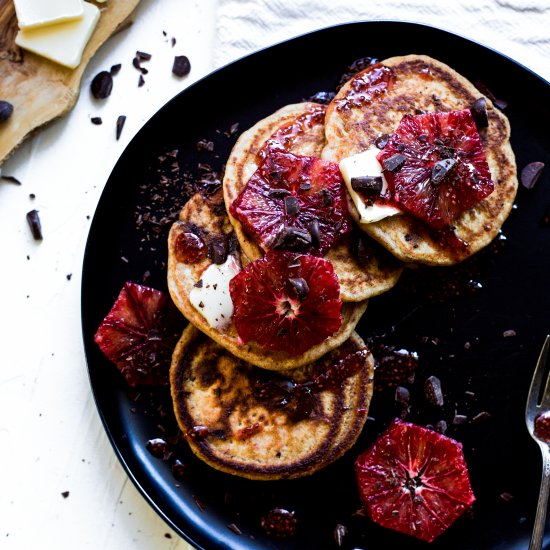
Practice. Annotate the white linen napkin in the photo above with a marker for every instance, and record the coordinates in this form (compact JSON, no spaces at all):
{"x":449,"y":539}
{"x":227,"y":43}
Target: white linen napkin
{"x":517,"y":28}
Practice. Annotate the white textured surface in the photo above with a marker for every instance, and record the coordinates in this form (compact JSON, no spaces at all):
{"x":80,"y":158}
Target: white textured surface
{"x":51,"y":438}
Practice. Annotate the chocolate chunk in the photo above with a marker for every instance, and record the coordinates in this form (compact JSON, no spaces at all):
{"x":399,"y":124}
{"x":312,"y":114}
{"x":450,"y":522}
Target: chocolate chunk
{"x":300,"y":287}
{"x":402,"y":395}
{"x":292,"y":238}
{"x":479,"y":113}
{"x":217,"y":250}
{"x":370,"y":184}
{"x":460,"y":419}
{"x":326,"y":197}
{"x":306,"y":186}
{"x":395,"y":162}
{"x":278,"y":193}
{"x":6,"y":110}
{"x":143,"y":56}
{"x":531,"y":173}
{"x":441,"y":427}
{"x":509,"y":333}
{"x":205,"y":145}
{"x":34,"y":223}
{"x":102,"y":85}
{"x":65,"y":494}
{"x":292,"y":205}
{"x":97,"y":120}
{"x":115,"y":69}
{"x":483,"y":415}
{"x":181,"y":66}
{"x":501,"y":104}
{"x":11,"y":179}
{"x":433,"y":392}
{"x":141,"y":81}
{"x":178,"y":470}
{"x":506,"y":497}
{"x":173,"y":41}
{"x":119,"y":125}
{"x":381,"y":141}
{"x":360,"y":251}
{"x":315,"y":234}
{"x":440,"y":169}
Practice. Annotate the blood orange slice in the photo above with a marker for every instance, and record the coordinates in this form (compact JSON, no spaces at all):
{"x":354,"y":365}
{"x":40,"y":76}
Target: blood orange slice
{"x":436,"y":167}
{"x":139,"y":334}
{"x":414,"y":480}
{"x":286,"y":302}
{"x":293,"y":202}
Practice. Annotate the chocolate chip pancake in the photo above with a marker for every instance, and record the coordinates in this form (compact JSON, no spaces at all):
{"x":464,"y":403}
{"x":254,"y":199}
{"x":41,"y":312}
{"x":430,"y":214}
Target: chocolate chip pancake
{"x":301,"y":126}
{"x":203,"y":220}
{"x":410,"y":85}
{"x":264,"y":425}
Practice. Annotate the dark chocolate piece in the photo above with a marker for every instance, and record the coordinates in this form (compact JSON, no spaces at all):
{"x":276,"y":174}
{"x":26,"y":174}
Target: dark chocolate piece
{"x":115,"y":69}
{"x":11,"y":179}
{"x":440,"y":169}
{"x":102,"y":85}
{"x":395,"y":162}
{"x":531,"y":173}
{"x":143,"y":56}
{"x":433,"y":391}
{"x":479,"y":113}
{"x":97,"y":120}
{"x":315,"y":233}
{"x":141,"y":81}
{"x":292,"y":205}
{"x":381,"y":141}
{"x":278,"y":193}
{"x":181,"y":66}
{"x":119,"y":125}
{"x":300,"y":287}
{"x":34,"y":223}
{"x":370,"y":184}
{"x":292,"y":238}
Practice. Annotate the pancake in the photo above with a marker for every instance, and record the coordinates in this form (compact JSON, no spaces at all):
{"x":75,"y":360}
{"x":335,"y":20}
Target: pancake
{"x":264,"y":425}
{"x":206,"y":215}
{"x":424,"y":84}
{"x":359,"y":280}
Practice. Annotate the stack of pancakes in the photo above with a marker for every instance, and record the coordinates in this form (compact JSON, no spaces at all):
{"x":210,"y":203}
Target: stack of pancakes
{"x":258,"y":413}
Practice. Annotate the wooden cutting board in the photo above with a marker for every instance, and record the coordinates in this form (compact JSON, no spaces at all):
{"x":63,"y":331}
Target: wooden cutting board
{"x":39,"y":89}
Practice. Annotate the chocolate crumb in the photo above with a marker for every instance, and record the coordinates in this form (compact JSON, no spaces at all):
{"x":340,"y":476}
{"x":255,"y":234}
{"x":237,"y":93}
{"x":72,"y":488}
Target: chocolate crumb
{"x":173,"y":41}
{"x":65,"y":494}
{"x":143,"y":56}
{"x":531,"y":173}
{"x":441,"y":427}
{"x":120,"y":125}
{"x":200,"y":504}
{"x":141,"y":81}
{"x":234,"y":128}
{"x":509,"y":333}
{"x":433,"y":391}
{"x":506,"y":497}
{"x":34,"y":223}
{"x":6,"y":110}
{"x":234,"y":528}
{"x":102,"y":85}
{"x":205,"y":145}
{"x":69,"y":276}
{"x":11,"y":179}
{"x":394,"y":163}
{"x":32,"y":196}
{"x":340,"y":531}
{"x":402,"y":395}
{"x":484,"y":415}
{"x":181,"y":66}
{"x":97,"y":120}
{"x":460,"y":419}
{"x":115,"y":69}
{"x":469,"y":393}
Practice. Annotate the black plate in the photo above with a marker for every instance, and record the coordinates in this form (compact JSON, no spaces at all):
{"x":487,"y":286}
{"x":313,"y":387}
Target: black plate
{"x":460,"y":338}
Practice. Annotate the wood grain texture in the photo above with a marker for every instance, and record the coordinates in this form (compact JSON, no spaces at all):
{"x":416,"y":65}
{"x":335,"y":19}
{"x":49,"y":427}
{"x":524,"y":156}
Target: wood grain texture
{"x":39,"y":89}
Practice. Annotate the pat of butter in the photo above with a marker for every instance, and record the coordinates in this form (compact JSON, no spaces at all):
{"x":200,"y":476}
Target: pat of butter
{"x":37,"y":13}
{"x":365,"y":164}
{"x":211,"y":298}
{"x":64,"y":42}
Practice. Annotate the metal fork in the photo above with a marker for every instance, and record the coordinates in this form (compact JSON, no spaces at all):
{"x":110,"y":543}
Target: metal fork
{"x":533,"y":409}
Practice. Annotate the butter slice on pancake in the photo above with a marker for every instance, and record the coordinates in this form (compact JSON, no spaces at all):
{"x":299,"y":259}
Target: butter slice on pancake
{"x":422,"y":84}
{"x":263,"y":425}
{"x":206,"y":215}
{"x":358,"y":279}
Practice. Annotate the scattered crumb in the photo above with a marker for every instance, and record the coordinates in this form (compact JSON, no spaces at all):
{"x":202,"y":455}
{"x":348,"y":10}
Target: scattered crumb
{"x":65,"y":494}
{"x":509,"y":333}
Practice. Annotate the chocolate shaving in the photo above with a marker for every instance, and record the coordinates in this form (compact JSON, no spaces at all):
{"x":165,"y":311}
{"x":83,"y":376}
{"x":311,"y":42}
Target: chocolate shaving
{"x":34,"y":223}
{"x":181,"y":66}
{"x":531,"y":173}
{"x":394,"y":163}
{"x":6,"y":110}
{"x":102,"y":85}
{"x":97,"y":120}
{"x":120,"y":125}
{"x":115,"y":69}
{"x":143,"y":56}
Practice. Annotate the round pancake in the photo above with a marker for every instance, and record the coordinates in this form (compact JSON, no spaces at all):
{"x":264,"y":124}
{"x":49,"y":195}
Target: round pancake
{"x":208,"y":214}
{"x":358,"y":281}
{"x":424,"y":84}
{"x":261,"y":425}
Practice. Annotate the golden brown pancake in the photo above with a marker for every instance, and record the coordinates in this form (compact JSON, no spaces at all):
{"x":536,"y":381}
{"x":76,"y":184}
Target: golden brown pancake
{"x":424,"y":84}
{"x":206,"y":214}
{"x":264,"y":425}
{"x":358,"y":280}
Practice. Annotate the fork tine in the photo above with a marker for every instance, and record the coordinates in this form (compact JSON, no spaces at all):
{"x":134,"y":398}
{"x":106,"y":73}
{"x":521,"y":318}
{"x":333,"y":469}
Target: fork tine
{"x":536,"y":383}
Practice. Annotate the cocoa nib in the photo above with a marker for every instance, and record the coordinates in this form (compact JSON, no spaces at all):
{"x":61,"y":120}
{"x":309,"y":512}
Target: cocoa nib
{"x":531,"y":173}
{"x":102,"y":85}
{"x":181,"y":66}
{"x":34,"y":223}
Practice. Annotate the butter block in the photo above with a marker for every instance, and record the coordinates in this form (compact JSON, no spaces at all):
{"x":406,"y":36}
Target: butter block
{"x":37,"y":13}
{"x":64,"y":42}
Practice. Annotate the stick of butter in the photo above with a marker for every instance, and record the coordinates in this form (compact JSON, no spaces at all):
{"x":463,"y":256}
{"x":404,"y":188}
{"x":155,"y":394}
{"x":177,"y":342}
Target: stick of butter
{"x":64,"y":42}
{"x":37,"y":13}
